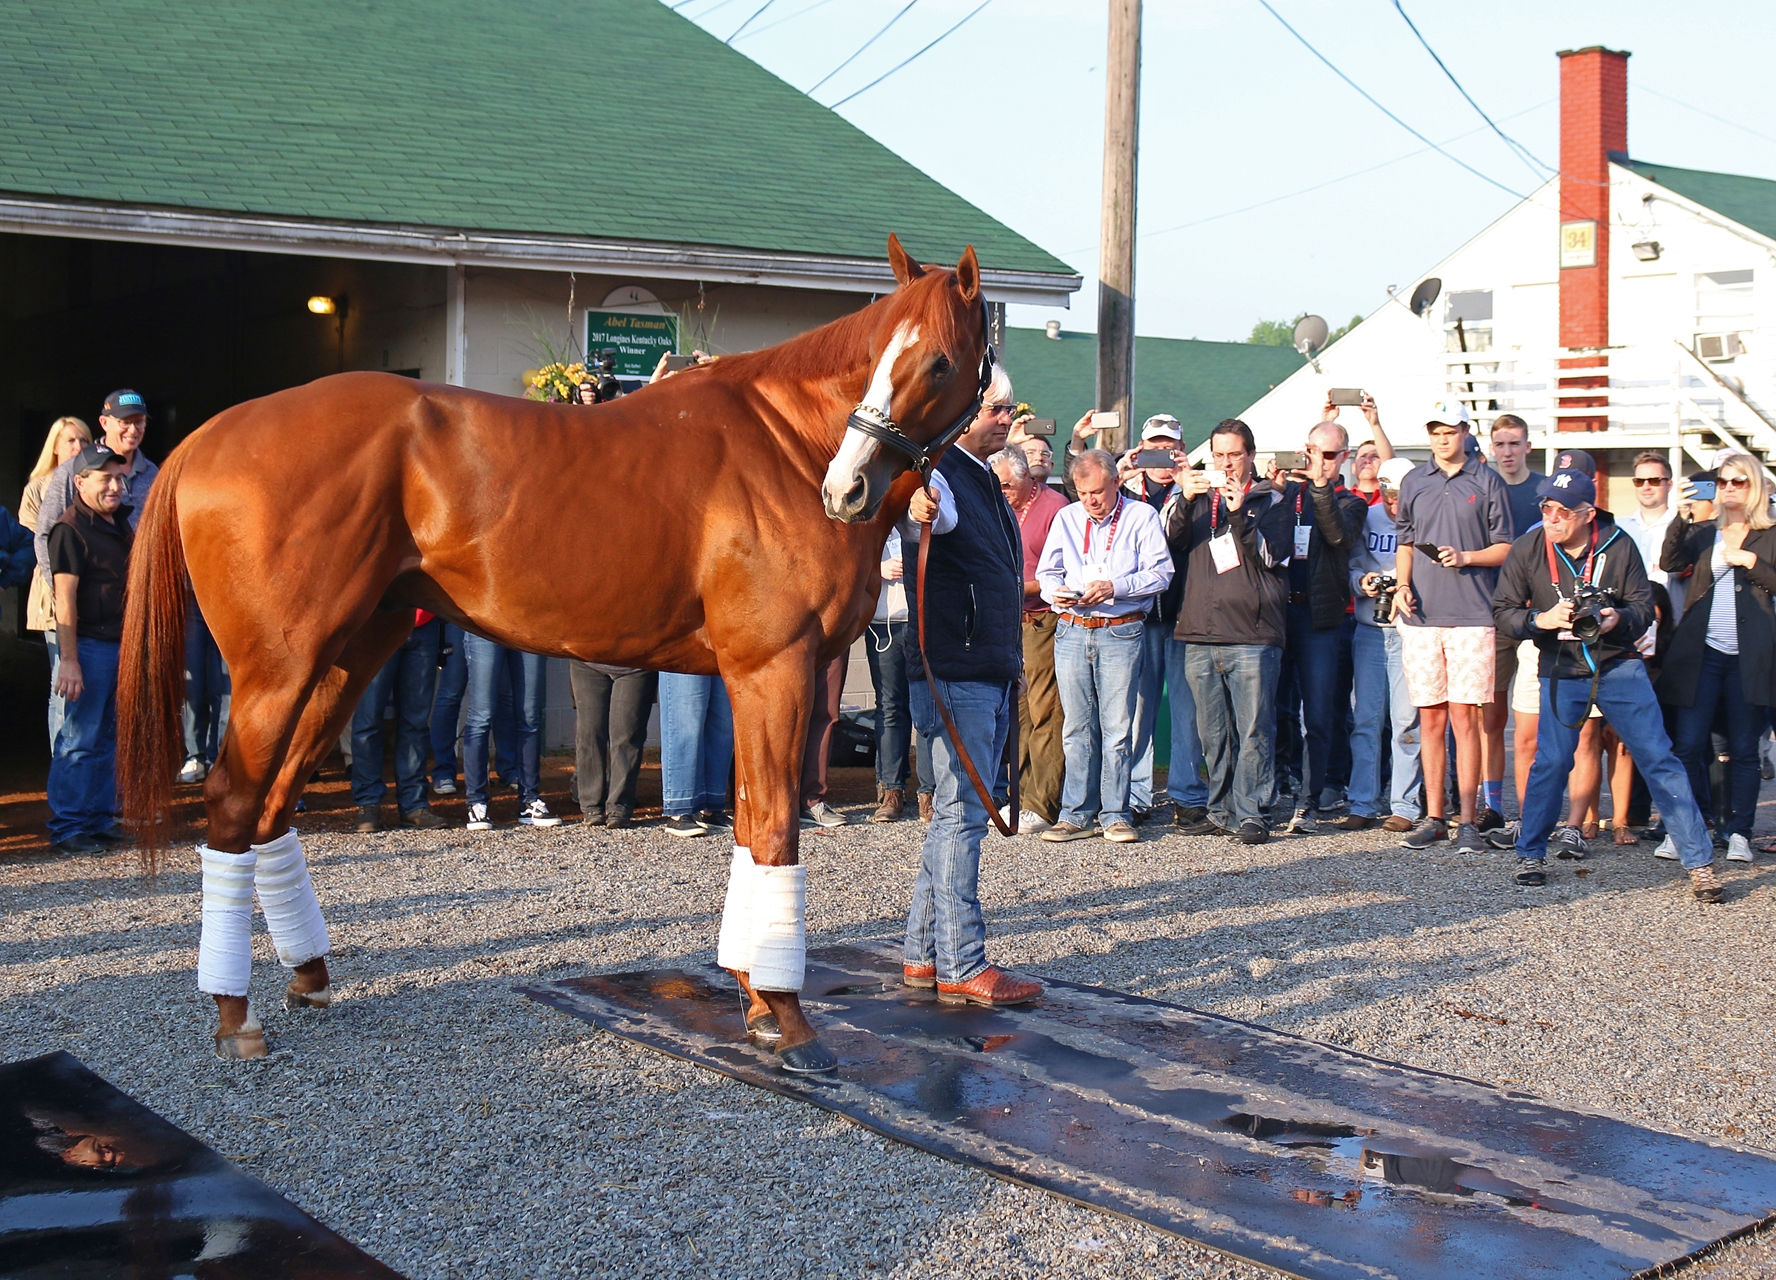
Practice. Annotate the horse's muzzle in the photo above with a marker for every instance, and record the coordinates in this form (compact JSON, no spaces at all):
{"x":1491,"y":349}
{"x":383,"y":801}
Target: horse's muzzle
{"x":856,"y":505}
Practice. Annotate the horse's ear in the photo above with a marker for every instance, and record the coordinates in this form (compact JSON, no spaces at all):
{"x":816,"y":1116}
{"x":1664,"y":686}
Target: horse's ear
{"x":905,"y":269}
{"x":968,"y":275}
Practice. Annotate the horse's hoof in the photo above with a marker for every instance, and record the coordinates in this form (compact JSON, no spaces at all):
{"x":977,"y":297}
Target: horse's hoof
{"x":248,"y":1042}
{"x":765,"y":1028}
{"x":294,"y":999}
{"x":810,"y":1058}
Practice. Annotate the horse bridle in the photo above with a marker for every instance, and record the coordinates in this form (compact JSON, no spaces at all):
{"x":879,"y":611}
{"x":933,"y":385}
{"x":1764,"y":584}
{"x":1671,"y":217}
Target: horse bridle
{"x":879,"y":426}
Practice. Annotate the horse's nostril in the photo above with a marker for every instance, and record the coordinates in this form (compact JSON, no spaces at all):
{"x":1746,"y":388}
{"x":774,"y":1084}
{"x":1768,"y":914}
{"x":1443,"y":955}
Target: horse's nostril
{"x":854,"y":494}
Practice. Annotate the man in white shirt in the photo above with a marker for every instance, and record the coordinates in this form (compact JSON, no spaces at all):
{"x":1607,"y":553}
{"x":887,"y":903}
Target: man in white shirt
{"x":1649,"y":520}
{"x":1105,"y":560}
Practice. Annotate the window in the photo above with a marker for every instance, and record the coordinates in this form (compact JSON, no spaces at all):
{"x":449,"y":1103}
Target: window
{"x":1723,"y":301}
{"x":1469,"y":307}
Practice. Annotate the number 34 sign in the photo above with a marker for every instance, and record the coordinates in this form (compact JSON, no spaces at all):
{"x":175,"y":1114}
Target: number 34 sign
{"x":1578,"y":244}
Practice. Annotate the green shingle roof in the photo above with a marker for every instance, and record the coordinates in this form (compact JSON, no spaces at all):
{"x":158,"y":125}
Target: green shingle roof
{"x":602,"y":118}
{"x":1751,"y":202}
{"x":1199,"y":383}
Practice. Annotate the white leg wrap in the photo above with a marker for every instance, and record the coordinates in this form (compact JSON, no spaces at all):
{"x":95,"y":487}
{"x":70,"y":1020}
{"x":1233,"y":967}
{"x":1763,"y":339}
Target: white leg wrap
{"x":292,"y":913}
{"x":733,"y":949}
{"x":225,"y":947}
{"x":779,"y":929}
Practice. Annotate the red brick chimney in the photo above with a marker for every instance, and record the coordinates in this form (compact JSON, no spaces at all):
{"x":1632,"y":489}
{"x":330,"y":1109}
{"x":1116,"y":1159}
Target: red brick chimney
{"x":1593,"y":123}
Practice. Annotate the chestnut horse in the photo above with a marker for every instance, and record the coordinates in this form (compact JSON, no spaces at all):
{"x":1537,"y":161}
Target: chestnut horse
{"x":728,"y":520}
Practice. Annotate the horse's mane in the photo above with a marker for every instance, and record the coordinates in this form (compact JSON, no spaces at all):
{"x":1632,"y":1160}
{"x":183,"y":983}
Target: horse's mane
{"x":842,"y":346}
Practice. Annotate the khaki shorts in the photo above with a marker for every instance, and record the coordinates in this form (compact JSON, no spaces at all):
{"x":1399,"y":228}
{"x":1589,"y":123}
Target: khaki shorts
{"x":1448,"y":664}
{"x":1526,"y":689}
{"x":1504,"y":665}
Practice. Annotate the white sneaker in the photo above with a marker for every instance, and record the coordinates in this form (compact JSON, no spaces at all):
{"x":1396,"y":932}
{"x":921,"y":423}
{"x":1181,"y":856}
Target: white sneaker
{"x":1030,"y":824}
{"x":194,"y":771}
{"x":822,"y":814}
{"x":536,"y":814}
{"x":1738,"y":848}
{"x":1667,"y":850}
{"x":478,"y":818}
{"x":443,"y":786}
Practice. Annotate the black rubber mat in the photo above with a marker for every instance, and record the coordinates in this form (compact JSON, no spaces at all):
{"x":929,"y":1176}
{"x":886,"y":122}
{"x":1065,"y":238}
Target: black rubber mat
{"x":94,"y":1184}
{"x":1308,"y":1158}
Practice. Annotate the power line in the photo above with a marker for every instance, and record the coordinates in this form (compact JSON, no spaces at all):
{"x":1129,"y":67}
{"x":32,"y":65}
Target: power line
{"x":866,"y":44}
{"x":1377,"y":105}
{"x":756,"y":13}
{"x":878,"y":80}
{"x":1690,"y":106}
{"x":788,"y":17}
{"x":1528,"y":157}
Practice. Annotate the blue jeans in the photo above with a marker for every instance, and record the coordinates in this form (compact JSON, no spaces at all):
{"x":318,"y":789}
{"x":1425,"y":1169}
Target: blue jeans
{"x":886,"y":645}
{"x":1382,"y":700}
{"x":1625,"y":696}
{"x":1235,"y":690}
{"x":411,"y":675}
{"x":944,"y":923}
{"x":524,"y":673}
{"x":696,"y":743}
{"x":1162,"y":671}
{"x":207,"y":690}
{"x":1718,"y":688}
{"x":83,"y":766}
{"x":453,"y":682}
{"x":1097,"y":671}
{"x":1313,"y":655}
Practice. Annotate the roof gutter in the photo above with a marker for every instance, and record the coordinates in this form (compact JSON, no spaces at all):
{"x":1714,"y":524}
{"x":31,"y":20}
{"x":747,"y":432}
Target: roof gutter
{"x":437,"y":246}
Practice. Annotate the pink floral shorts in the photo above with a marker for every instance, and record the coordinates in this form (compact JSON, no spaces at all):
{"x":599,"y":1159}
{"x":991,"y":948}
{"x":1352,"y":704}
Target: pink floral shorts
{"x":1448,"y":664}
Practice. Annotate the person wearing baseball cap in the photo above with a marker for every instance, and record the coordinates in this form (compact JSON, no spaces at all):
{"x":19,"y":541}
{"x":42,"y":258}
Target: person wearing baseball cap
{"x":1382,"y":702}
{"x":1454,"y":527}
{"x":1581,"y":593}
{"x":122,"y":423}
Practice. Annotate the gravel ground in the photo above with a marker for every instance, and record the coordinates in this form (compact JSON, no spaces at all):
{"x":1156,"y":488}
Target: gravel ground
{"x":454,"y":1128}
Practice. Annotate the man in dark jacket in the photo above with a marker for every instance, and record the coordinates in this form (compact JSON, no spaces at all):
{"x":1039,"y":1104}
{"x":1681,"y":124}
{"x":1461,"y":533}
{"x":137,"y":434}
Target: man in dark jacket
{"x":1535,"y":600}
{"x":1235,"y":541}
{"x":973,"y":605}
{"x":1326,"y":524}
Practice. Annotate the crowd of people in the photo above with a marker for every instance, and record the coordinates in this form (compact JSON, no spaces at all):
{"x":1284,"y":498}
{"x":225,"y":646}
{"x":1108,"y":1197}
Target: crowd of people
{"x":1340,"y":635}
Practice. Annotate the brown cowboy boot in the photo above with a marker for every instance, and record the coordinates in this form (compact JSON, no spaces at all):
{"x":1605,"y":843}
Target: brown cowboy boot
{"x":892,"y":798}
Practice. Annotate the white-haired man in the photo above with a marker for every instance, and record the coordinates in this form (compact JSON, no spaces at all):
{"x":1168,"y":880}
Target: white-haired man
{"x":1105,"y":561}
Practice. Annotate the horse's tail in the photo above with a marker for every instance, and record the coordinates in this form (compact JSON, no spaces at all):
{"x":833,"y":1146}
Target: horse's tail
{"x":151,"y":672}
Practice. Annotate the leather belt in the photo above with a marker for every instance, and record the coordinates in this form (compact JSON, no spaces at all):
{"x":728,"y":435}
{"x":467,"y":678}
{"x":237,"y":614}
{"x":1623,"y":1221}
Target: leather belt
{"x":1092,"y":624}
{"x":1298,"y":597}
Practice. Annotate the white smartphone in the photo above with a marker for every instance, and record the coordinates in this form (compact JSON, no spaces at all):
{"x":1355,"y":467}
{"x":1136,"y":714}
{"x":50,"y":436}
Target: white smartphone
{"x":1105,"y":421}
{"x":1217,"y":477}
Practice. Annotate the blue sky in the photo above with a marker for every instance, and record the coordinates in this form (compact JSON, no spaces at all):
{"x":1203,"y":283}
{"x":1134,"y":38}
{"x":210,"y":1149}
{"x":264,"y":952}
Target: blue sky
{"x":1008,"y":112}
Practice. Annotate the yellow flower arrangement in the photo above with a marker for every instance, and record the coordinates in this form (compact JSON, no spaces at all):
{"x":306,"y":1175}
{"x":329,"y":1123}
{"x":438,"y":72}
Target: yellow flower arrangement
{"x":556,"y":381}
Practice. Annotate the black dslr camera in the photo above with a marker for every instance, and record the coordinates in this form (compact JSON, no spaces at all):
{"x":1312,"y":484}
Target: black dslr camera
{"x":1385,"y":586}
{"x":1588,"y":603}
{"x":601,"y":385}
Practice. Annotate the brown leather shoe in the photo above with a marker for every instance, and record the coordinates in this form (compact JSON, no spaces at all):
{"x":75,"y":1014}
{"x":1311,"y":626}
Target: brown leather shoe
{"x":992,"y":987}
{"x":1396,"y":823}
{"x":919,"y":975}
{"x":889,"y":809}
{"x":1352,"y":822}
{"x":925,"y":809}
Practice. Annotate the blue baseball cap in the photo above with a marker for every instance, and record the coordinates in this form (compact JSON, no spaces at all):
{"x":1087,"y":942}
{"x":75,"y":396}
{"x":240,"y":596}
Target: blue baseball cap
{"x":124,"y":404}
{"x":1575,"y":460}
{"x":1571,"y":488}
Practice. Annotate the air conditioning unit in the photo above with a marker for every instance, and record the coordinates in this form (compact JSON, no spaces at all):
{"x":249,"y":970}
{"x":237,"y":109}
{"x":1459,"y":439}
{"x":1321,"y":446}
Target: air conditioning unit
{"x":1719,"y":346}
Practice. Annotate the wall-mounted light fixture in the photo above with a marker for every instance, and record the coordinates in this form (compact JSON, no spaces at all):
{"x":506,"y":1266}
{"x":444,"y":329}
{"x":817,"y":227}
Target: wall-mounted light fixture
{"x":337,"y":308}
{"x":1648,"y":250}
{"x":322,"y":306}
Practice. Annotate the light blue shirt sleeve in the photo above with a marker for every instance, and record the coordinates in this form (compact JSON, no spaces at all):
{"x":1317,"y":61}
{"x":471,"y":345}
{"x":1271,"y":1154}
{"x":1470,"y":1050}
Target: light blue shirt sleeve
{"x":908,"y":528}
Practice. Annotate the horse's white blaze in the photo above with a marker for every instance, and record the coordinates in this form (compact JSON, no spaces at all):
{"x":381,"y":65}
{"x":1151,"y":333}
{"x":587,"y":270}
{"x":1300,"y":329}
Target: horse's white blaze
{"x":856,"y":450}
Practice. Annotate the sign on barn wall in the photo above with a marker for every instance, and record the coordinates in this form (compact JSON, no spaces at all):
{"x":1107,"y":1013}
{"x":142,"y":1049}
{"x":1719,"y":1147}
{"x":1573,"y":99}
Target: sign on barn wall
{"x":639,"y":340}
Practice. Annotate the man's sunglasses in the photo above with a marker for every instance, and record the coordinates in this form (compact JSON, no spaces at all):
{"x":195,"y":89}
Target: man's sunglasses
{"x":999,"y":408}
{"x":1641,"y":482}
{"x":1554,"y":511}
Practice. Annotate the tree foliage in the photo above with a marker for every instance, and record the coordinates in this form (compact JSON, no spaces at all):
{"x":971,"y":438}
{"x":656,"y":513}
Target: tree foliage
{"x":1281,"y":333}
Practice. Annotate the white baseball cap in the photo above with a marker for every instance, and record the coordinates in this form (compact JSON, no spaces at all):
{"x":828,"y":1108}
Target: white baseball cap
{"x":1450,"y":413}
{"x":1393,"y":471}
{"x":1161,"y":426}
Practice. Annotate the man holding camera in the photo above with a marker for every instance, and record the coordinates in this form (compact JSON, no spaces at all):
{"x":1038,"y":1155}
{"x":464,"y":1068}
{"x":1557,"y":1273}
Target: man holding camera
{"x":1582,"y":594}
{"x":1382,"y":697}
{"x":1454,"y":528}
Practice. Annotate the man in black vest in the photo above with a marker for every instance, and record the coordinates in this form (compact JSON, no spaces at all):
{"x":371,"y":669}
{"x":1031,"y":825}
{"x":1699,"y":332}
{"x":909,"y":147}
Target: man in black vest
{"x":973,"y":606}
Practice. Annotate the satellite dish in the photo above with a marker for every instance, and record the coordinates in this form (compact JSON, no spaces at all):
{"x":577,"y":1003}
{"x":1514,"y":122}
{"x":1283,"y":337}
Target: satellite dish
{"x":1310,"y":335}
{"x":1425,"y":295}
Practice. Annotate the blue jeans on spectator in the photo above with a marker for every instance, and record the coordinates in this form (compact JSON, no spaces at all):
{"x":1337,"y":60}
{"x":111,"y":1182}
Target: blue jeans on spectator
{"x":1162,"y":677}
{"x":944,"y":925}
{"x":83,"y":766}
{"x":525,"y":675}
{"x":53,"y":644}
{"x":1312,"y":654}
{"x":1384,"y":712}
{"x":1184,"y":778}
{"x":453,"y":681}
{"x":886,"y":645}
{"x":922,"y":763}
{"x":411,"y":675}
{"x":1097,"y":670}
{"x":1235,"y":690}
{"x":696,"y":743}
{"x":1718,"y":688}
{"x":1625,"y":696}
{"x":207,"y":689}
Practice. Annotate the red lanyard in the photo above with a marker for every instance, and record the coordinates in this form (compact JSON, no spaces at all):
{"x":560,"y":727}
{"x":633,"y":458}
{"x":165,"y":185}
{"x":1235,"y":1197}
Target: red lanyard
{"x":1109,"y":537}
{"x":1298,"y":494}
{"x":1215,"y":506}
{"x":1554,"y":570}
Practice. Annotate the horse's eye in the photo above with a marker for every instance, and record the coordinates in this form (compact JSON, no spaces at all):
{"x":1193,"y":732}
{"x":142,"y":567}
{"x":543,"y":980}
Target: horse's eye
{"x":941,"y":364}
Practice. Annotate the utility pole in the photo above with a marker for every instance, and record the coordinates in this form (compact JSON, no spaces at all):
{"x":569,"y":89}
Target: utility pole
{"x":1116,"y":231}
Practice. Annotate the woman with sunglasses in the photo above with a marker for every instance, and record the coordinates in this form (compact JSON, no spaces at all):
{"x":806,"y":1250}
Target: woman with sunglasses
{"x":1723,"y":657}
